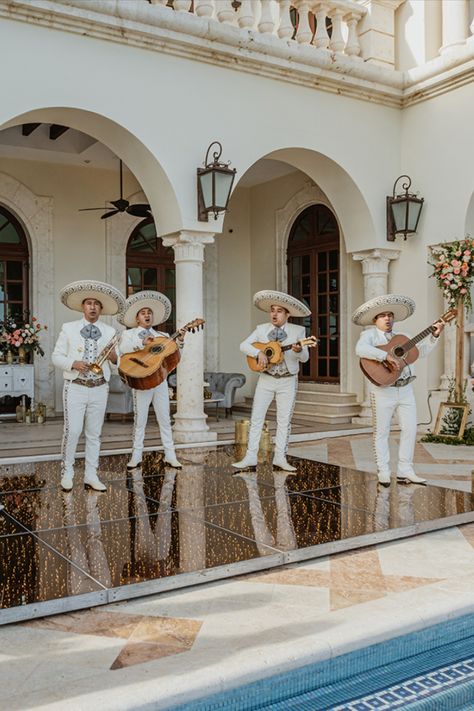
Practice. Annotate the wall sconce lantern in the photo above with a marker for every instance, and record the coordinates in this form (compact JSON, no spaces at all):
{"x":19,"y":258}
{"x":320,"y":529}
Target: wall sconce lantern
{"x":214,"y":185}
{"x":403,"y":211}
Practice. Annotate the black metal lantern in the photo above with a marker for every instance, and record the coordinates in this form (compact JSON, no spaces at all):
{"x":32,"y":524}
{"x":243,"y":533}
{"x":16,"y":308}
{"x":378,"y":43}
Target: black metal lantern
{"x":214,"y":185}
{"x":403,"y":211}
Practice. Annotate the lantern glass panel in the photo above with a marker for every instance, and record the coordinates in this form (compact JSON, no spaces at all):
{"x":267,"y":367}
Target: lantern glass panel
{"x":206,"y":180}
{"x":414,"y":210}
{"x":399,"y":211}
{"x":223,"y":186}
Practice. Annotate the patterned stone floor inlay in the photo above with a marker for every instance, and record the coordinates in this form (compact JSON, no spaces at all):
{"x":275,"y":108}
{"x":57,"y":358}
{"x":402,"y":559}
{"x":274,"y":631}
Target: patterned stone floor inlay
{"x":147,"y":638}
{"x":156,"y":523}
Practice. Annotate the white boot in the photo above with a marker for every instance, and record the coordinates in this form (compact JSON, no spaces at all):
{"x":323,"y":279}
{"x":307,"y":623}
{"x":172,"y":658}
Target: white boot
{"x":92,"y":481}
{"x":410,"y":478}
{"x":247,"y":462}
{"x":171,"y":461}
{"x":135,"y":461}
{"x":279,"y":462}
{"x":384,"y":478}
{"x":66,"y":481}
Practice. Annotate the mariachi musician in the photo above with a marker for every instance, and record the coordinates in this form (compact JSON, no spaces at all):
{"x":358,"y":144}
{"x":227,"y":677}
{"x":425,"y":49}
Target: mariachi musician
{"x":381,"y":313}
{"x":142,"y":310}
{"x":279,"y":380}
{"x":82,"y":351}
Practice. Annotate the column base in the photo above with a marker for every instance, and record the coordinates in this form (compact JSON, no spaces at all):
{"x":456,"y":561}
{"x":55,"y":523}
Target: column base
{"x":192,"y":429}
{"x":367,"y":421}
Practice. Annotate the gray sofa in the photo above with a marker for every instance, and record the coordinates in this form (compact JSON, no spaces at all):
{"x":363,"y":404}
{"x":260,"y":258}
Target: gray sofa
{"x":120,"y":397}
{"x":221,"y":385}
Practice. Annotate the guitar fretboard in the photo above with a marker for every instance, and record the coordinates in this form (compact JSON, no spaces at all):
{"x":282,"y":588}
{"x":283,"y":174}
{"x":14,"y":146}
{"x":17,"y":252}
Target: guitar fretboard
{"x":416,"y":339}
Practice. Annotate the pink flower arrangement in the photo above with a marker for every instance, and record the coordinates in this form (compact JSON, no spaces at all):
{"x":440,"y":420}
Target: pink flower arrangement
{"x":13,"y":335}
{"x":454,"y":270}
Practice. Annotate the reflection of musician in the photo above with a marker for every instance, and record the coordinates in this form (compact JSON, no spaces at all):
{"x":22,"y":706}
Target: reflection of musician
{"x":381,"y":312}
{"x":279,"y":381}
{"x":141,"y":311}
{"x":79,"y":345}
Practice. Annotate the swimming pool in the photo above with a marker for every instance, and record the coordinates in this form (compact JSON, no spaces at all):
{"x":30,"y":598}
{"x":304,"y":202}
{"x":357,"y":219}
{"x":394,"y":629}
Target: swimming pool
{"x":432,"y":670}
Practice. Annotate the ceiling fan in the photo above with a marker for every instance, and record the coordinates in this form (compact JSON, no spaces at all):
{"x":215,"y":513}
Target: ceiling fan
{"x":122,"y":205}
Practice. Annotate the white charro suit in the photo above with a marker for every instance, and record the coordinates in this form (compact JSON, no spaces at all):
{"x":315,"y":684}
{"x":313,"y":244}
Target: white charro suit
{"x":142,"y":399}
{"x":385,"y":400}
{"x":283,"y":389}
{"x":83,"y":406}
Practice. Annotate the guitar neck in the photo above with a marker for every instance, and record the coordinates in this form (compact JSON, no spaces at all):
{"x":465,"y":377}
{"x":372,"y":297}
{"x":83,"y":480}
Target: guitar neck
{"x":416,"y":339}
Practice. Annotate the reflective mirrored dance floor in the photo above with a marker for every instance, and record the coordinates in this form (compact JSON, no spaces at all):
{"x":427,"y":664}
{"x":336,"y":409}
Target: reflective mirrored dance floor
{"x":158,"y":528}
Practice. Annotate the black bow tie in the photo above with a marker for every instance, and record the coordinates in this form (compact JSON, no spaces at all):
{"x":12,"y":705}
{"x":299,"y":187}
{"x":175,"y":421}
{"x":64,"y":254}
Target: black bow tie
{"x":91,"y":331}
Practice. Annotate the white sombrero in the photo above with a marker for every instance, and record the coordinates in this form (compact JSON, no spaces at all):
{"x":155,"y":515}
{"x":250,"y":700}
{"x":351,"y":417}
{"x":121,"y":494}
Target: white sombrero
{"x":401,"y":306}
{"x":154,"y":300}
{"x":72,"y":295}
{"x":264,"y":300}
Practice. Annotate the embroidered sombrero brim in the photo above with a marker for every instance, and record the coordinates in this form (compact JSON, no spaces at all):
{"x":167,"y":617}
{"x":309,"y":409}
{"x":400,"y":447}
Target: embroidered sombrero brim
{"x":72,"y":295}
{"x":401,"y":306}
{"x":264,"y":300}
{"x":154,"y":300}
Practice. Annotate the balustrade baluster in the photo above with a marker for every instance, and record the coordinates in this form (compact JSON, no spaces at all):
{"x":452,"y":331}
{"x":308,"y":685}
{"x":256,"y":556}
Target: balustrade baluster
{"x":245,"y":17}
{"x":285,"y":29}
{"x":267,"y":23}
{"x":181,"y":5}
{"x":352,"y":48}
{"x":321,"y":38}
{"x":225,"y":12}
{"x":204,"y":8}
{"x":336,"y":43}
{"x":304,"y":34}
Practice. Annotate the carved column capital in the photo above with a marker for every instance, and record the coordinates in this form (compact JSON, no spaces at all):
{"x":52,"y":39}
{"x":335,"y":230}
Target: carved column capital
{"x":375,"y":261}
{"x":188,"y":245}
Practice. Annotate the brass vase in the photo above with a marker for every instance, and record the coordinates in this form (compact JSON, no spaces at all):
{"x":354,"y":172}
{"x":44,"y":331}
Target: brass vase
{"x":9,"y":357}
{"x":21,"y":355}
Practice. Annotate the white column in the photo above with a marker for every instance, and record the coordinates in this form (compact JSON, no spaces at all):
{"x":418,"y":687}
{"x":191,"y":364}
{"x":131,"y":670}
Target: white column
{"x":190,"y":420}
{"x":455,"y":24}
{"x":375,"y":264}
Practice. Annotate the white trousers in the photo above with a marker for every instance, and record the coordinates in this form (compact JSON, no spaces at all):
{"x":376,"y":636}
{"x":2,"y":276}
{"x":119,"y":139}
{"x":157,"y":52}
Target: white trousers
{"x":142,"y":399}
{"x":284,"y":391}
{"x":84,"y":408}
{"x":384,"y":402}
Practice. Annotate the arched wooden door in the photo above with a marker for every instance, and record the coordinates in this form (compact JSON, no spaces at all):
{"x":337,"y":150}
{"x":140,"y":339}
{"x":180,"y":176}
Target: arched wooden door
{"x":313,"y":277}
{"x":13,"y":268}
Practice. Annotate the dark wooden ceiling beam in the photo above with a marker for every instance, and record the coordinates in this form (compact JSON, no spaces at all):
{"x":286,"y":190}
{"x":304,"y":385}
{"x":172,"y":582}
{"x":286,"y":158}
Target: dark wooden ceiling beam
{"x":55,"y":130}
{"x":28,"y":128}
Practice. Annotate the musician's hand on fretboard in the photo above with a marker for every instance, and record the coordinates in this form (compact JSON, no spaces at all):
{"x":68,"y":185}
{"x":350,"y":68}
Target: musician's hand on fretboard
{"x":437,"y":328}
{"x":297,"y":347}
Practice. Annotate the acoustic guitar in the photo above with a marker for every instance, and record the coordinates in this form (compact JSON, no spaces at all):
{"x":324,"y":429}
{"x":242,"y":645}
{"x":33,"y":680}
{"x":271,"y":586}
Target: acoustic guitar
{"x":274,"y":352}
{"x":150,"y":366}
{"x":383,"y":373}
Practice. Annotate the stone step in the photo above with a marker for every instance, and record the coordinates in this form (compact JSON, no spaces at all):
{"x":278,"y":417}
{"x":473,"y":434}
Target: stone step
{"x":339,"y":411}
{"x":323,"y":397}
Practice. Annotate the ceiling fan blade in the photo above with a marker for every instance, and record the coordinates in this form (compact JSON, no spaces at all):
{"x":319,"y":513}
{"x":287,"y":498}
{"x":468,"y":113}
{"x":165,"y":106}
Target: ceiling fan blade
{"x":88,"y":209}
{"x":109,"y":214}
{"x":139,"y":210}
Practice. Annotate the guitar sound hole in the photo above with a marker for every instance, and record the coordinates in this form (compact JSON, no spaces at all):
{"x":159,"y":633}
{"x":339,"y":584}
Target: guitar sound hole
{"x":399,"y":351}
{"x":156,"y":349}
{"x":269,"y":352}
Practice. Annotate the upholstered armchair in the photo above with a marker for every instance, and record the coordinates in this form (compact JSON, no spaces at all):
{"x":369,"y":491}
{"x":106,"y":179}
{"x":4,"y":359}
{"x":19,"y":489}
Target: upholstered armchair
{"x":221,"y":385}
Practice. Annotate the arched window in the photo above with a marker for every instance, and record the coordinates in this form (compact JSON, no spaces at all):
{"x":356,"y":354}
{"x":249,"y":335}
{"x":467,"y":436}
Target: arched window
{"x":150,"y":266}
{"x":313,"y":277}
{"x":13,"y":267}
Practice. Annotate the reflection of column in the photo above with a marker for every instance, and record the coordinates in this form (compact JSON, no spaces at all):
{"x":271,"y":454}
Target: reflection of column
{"x":190,"y":420}
{"x":375,"y":264}
{"x":263,"y":536}
{"x":455,"y":24}
{"x":190,"y":504}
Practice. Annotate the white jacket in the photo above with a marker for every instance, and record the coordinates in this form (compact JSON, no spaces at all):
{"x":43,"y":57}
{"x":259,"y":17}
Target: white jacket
{"x":372,"y":337}
{"x":70,"y":347}
{"x":294,"y":334}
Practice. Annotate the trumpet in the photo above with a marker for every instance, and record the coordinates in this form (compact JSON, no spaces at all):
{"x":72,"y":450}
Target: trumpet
{"x":96,"y":366}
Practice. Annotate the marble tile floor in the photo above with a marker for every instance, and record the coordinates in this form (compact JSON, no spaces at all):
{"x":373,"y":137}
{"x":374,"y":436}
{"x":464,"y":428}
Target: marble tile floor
{"x":162,"y":650}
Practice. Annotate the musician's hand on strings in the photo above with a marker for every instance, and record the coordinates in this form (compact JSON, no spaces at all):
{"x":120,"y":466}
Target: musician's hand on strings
{"x":80,"y":366}
{"x":147,"y":340}
{"x":394,"y":363}
{"x":297,"y":347}
{"x":437,"y":328}
{"x":262,"y":360}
